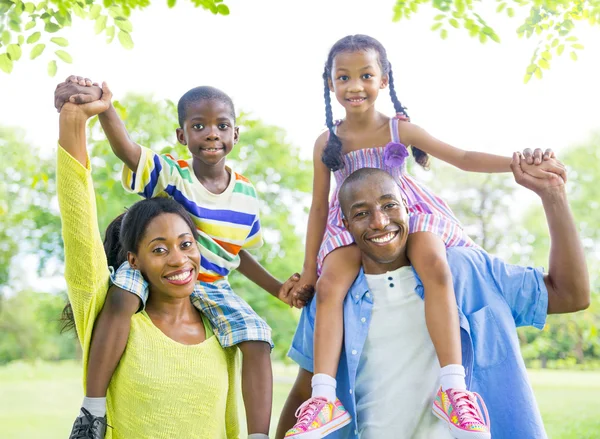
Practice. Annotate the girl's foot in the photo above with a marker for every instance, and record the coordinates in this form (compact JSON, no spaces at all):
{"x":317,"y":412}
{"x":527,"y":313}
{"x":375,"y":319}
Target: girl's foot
{"x":461,"y":412}
{"x":318,"y":418}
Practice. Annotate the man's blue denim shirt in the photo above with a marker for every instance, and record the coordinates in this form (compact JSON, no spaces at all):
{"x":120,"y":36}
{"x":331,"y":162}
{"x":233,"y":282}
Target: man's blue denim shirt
{"x":493,"y":298}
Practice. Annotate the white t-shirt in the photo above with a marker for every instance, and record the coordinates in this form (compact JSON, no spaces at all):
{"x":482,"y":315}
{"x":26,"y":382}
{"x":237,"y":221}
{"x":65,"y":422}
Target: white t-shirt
{"x":398,"y":370}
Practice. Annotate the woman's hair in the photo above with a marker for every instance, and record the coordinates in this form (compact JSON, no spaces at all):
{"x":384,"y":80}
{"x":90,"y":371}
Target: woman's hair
{"x":125,"y":232}
{"x":332,"y":154}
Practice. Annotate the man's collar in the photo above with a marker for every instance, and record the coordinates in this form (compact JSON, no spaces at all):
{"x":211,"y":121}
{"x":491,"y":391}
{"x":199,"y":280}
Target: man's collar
{"x":360,"y":287}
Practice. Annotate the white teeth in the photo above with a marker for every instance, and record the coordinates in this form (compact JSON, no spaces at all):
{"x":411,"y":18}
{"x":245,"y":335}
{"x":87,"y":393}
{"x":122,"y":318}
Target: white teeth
{"x":384,"y":238}
{"x":181,"y":276}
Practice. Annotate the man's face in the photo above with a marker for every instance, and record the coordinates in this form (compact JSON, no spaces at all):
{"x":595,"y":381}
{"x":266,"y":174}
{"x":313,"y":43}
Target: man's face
{"x":376,"y":216}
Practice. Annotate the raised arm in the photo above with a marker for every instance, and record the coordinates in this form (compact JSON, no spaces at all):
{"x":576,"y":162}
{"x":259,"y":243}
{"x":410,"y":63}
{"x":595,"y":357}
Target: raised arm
{"x":80,"y":90}
{"x":567,"y":279}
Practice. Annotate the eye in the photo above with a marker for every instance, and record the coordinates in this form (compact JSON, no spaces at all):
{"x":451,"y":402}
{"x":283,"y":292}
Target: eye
{"x":198,"y":126}
{"x":390,"y":205}
{"x":223,"y":126}
{"x":343,"y":77}
{"x":186,"y":245}
{"x":360,"y":214}
{"x":367,"y":76}
{"x":159,"y":250}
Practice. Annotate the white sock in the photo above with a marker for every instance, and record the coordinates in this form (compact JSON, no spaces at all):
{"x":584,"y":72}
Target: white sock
{"x":324,"y":385}
{"x":453,"y":377}
{"x":258,"y":436}
{"x":96,"y":406}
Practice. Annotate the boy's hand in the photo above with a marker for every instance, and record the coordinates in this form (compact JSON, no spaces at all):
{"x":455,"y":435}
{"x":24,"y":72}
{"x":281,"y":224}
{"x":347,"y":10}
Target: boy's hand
{"x":88,"y":110}
{"x":305,"y":287}
{"x":77,"y":90}
{"x":285,"y":292}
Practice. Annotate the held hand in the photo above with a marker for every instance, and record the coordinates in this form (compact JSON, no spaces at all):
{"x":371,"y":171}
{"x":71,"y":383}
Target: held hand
{"x":536,"y":157}
{"x":305,"y":287}
{"x":284,"y":293}
{"x":90,"y":109}
{"x":77,"y":90}
{"x":528,"y":176}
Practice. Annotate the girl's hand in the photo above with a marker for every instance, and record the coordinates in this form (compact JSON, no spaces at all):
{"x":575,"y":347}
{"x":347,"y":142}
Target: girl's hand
{"x":536,"y":157}
{"x":87,"y":110}
{"x":548,"y":170}
{"x":77,"y":90}
{"x":304,"y":288}
{"x":284,"y":293}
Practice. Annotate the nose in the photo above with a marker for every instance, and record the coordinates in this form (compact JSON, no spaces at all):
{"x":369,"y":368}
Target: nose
{"x":213,"y":133}
{"x":177,"y":257}
{"x":355,"y":85}
{"x":379,"y":220}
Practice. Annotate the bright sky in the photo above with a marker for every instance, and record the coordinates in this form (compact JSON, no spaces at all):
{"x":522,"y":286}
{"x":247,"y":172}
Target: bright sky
{"x":269,"y":56}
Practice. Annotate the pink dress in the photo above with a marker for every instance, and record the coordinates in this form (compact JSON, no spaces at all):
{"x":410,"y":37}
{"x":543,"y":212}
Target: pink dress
{"x":427,"y":212}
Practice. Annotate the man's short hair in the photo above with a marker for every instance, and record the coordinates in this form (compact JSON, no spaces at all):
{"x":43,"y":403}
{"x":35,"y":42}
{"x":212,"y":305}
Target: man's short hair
{"x":358,"y":176}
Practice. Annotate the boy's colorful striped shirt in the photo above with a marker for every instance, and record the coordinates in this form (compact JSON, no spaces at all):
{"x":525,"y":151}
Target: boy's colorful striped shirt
{"x":226,"y":222}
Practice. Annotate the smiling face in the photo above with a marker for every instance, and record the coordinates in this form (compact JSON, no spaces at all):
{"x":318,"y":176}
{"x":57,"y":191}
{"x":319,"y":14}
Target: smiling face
{"x":356,"y":79}
{"x":208,"y":130}
{"x":376,"y":216}
{"x":168,"y":256}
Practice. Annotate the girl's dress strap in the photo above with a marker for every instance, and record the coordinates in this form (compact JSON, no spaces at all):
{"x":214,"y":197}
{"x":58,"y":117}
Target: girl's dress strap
{"x":394,"y":130}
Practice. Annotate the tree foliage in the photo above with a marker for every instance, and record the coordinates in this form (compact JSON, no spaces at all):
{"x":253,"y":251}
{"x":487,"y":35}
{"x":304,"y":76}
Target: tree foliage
{"x":550,"y":22}
{"x":37,"y":26}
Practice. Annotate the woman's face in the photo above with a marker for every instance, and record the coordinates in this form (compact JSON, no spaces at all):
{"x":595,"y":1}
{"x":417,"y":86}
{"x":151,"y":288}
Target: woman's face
{"x":168,"y":256}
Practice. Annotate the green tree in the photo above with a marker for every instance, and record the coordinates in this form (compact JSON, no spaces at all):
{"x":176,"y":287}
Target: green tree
{"x":551,"y":22}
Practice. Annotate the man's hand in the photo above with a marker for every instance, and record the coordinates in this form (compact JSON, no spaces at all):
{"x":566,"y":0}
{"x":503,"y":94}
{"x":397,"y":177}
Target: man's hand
{"x":77,"y":90}
{"x":535,"y":177}
{"x":90,"y":109}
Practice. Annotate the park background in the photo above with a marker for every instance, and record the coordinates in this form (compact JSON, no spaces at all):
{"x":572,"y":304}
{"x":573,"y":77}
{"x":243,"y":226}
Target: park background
{"x":268,"y":55}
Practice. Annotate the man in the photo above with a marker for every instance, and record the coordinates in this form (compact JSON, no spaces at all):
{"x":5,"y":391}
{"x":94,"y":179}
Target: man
{"x":388,"y":369}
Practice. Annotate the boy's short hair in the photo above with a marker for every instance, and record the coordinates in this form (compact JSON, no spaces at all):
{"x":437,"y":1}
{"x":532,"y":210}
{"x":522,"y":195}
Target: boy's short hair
{"x":202,"y":93}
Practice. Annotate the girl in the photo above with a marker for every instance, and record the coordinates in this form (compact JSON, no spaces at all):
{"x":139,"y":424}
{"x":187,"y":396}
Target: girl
{"x":173,"y":361}
{"x":356,"y":70}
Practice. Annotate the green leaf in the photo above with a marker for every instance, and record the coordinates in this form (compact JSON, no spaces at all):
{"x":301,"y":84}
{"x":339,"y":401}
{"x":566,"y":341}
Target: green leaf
{"x":171,"y":3}
{"x":100,"y":24}
{"x":527,"y":77}
{"x":30,"y":25}
{"x":444,"y":34}
{"x":95,"y":11}
{"x":51,"y":27}
{"x":14,"y":51}
{"x":483,"y":38}
{"x":34,"y":37}
{"x":538,"y":73}
{"x":125,"y":40}
{"x":573,"y":56}
{"x":531,"y":68}
{"x":571,"y":39}
{"x":52,"y":68}
{"x":123,"y":24}
{"x":223,"y":9}
{"x":439,"y":17}
{"x":5,"y":37}
{"x":21,"y":40}
{"x":555,"y":42}
{"x":62,"y":42}
{"x":37,"y":51}
{"x":454,"y":23}
{"x":500,"y":7}
{"x":78,"y":10}
{"x":6,"y":63}
{"x":14,"y":25}
{"x":543,"y":63}
{"x":577,"y":46}
{"x":64,"y":56}
{"x":510,"y":12}
{"x":29,"y":7}
{"x":560,"y":49}
{"x":546,"y":55}
{"x":110,"y":34}
{"x":436,"y":26}
{"x":494,"y":37}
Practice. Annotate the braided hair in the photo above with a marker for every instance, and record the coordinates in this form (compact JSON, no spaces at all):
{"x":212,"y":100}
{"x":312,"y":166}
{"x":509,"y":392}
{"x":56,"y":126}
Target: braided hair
{"x":332,"y":154}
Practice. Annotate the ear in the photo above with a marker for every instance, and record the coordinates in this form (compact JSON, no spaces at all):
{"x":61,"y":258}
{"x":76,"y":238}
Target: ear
{"x":385,"y":81}
{"x":236,"y":135}
{"x":133,"y":260}
{"x":330,"y":83}
{"x":345,"y":222}
{"x":180,"y":136}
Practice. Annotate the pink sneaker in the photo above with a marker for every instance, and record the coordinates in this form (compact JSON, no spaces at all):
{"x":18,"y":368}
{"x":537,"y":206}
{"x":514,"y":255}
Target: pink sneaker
{"x":318,"y":418}
{"x":460,"y":410}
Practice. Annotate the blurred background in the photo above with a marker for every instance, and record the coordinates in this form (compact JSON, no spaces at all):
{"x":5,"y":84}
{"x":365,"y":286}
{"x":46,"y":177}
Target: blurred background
{"x":458,"y":82}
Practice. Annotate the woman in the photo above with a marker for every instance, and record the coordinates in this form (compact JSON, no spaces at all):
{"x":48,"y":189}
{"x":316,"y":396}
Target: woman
{"x":174,"y":379}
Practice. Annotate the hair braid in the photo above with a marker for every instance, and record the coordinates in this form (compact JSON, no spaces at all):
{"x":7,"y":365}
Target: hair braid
{"x":332,"y":154}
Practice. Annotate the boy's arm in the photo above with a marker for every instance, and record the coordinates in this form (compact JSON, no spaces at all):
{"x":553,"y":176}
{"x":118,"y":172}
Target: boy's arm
{"x":80,"y":90}
{"x":254,"y":271}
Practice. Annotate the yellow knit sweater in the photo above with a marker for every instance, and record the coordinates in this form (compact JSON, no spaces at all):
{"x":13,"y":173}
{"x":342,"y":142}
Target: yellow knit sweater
{"x":161,"y":388}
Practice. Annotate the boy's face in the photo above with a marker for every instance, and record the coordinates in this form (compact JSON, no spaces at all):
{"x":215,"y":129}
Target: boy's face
{"x":209,"y":131}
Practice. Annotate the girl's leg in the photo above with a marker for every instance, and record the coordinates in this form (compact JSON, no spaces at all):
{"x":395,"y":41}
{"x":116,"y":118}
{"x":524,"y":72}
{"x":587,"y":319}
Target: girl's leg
{"x":257,"y":385}
{"x":427,"y":254}
{"x":340,"y":268}
{"x":109,"y":339}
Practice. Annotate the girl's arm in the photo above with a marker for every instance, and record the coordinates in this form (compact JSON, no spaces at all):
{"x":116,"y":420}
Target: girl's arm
{"x":317,"y":218}
{"x":466,"y":160}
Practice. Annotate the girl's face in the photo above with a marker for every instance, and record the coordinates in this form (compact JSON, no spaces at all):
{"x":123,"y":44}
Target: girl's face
{"x":356,"y":79}
{"x":168,"y":256}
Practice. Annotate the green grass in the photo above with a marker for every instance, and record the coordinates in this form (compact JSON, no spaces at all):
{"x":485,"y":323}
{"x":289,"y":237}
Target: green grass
{"x":41,"y":400}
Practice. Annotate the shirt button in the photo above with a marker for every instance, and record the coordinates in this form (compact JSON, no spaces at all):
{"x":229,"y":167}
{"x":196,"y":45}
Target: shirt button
{"x":390,"y":278}
{"x":354,"y":352}
{"x":391,"y":285}
{"x":363,"y":320}
{"x":350,"y":391}
{"x":355,"y":433}
{"x":356,"y":295}
{"x":368,"y":295}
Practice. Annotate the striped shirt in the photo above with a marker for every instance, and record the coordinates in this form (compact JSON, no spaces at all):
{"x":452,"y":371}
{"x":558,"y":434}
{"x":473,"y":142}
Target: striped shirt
{"x":226,"y":222}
